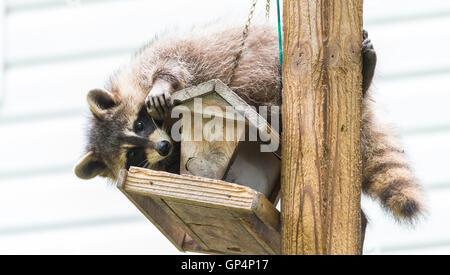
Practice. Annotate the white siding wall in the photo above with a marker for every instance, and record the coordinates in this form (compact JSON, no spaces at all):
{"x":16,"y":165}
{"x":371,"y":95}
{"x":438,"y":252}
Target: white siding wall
{"x":55,"y":51}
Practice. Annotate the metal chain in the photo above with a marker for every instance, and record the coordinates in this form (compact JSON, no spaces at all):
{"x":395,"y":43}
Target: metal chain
{"x":249,"y":19}
{"x":244,"y":38}
{"x":245,"y":35}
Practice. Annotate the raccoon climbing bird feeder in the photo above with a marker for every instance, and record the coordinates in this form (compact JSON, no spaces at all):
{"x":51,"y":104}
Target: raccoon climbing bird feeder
{"x":223,"y":200}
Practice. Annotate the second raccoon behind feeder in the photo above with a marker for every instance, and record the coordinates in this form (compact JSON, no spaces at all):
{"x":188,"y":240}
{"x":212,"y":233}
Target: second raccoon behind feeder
{"x":122,"y":134}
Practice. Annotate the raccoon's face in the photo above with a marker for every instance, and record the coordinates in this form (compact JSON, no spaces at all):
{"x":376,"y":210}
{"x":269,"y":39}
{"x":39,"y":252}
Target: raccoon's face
{"x":121,"y":134}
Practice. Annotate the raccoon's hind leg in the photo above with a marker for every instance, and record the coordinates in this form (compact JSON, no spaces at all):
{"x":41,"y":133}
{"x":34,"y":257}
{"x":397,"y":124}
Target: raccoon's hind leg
{"x":369,"y":58}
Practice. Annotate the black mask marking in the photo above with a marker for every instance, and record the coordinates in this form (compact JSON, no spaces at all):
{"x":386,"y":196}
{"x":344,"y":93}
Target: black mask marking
{"x":136,"y":157}
{"x":144,"y":125}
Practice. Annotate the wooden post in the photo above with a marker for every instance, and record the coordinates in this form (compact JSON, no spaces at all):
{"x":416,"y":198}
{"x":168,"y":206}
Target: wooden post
{"x":321,"y":163}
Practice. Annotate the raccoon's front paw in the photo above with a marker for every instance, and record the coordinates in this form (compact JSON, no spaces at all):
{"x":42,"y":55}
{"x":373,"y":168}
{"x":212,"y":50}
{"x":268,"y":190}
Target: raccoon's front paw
{"x":159,"y":99}
{"x":369,"y":61}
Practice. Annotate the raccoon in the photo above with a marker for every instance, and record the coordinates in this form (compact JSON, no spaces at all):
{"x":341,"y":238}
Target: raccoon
{"x":122,"y":134}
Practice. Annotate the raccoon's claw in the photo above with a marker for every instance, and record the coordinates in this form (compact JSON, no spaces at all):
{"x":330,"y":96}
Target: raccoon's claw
{"x":367,"y":46}
{"x":160,"y":102}
{"x":365,"y":35}
{"x":369,"y":61}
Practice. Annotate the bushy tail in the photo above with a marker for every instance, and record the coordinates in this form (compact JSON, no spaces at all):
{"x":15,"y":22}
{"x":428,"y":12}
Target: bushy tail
{"x":386,"y":173}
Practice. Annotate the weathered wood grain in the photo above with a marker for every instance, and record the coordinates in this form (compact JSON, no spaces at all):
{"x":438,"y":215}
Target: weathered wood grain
{"x":321,"y":114}
{"x":209,"y":152}
{"x":190,"y":189}
{"x":205,"y":215}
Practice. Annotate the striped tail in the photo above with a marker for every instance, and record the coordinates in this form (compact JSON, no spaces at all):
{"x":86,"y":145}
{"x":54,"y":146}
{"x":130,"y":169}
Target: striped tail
{"x":386,"y":173}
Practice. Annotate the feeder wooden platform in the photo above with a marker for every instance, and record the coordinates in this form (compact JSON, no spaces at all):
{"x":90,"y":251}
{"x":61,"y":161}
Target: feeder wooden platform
{"x":204,"y":215}
{"x":223,"y":201}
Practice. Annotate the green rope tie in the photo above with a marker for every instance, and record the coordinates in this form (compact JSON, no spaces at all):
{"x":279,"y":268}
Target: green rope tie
{"x":280,"y":45}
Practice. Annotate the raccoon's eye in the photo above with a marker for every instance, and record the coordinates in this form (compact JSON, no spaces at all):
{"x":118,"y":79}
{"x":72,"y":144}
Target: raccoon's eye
{"x":139,"y":126}
{"x":131,"y":154}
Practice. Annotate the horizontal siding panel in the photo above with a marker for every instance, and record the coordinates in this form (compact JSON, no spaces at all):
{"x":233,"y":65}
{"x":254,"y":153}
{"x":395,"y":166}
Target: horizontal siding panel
{"x":51,"y":200}
{"x":400,"y":50}
{"x":55,"y":87}
{"x":24,"y":3}
{"x":428,"y":249}
{"x":413,"y":104}
{"x":107,"y":26}
{"x":99,"y":28}
{"x":373,"y":10}
{"x":2,"y":53}
{"x":139,"y":237}
{"x":384,"y":235}
{"x":60,"y":32}
{"x":40,"y":145}
{"x":386,"y":11}
{"x":429,"y":157}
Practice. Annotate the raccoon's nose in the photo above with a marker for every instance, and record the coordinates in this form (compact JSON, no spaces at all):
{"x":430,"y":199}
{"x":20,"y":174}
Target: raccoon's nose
{"x":163,"y":148}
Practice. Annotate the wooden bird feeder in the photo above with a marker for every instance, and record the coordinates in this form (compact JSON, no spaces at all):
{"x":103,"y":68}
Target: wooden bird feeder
{"x":223,"y":200}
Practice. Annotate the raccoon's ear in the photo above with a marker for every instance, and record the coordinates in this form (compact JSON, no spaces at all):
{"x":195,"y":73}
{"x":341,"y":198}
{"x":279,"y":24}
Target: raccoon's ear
{"x":100,"y":101}
{"x":89,"y":166}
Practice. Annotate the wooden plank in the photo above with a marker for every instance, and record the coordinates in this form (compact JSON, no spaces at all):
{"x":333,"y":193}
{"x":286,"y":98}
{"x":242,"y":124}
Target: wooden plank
{"x":191,"y":239}
{"x":190,"y":189}
{"x":219,"y":229}
{"x":268,"y":214}
{"x":269,"y":240}
{"x":218,"y":217}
